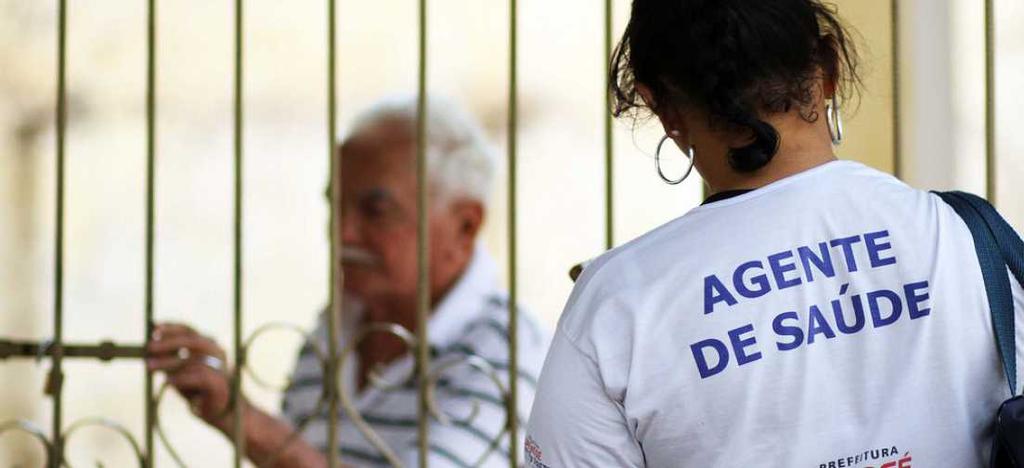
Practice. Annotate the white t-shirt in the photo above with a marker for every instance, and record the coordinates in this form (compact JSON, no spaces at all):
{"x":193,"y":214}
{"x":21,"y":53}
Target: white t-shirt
{"x":836,"y":318}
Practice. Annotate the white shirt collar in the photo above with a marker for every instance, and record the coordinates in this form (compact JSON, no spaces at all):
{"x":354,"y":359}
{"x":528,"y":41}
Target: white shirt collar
{"x":465,"y":300}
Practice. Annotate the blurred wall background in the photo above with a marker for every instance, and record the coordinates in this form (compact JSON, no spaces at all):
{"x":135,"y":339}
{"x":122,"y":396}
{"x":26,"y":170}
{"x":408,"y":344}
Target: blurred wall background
{"x":561,"y":163}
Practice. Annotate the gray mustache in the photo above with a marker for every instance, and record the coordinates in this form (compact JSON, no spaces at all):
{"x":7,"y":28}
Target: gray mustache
{"x":357,"y":256}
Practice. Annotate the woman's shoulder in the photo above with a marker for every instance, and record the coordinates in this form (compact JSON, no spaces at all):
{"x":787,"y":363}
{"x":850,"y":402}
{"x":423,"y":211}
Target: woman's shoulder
{"x":609,"y":286}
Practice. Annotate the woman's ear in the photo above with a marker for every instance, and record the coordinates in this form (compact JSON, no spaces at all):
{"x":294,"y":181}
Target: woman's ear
{"x":646,"y":95}
{"x":829,"y":88}
{"x":670,"y":120}
{"x":827,"y":84}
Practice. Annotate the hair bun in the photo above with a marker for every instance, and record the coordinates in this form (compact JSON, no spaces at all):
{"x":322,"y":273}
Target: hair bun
{"x":759,"y":153}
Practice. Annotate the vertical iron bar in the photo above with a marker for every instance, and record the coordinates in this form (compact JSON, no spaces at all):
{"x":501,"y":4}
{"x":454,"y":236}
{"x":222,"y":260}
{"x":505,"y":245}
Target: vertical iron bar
{"x":236,"y":387}
{"x":150,"y":205}
{"x":609,"y":187}
{"x":423,"y":285}
{"x":990,"y":101}
{"x":57,"y":372}
{"x":334,"y":273}
{"x":897,"y":108}
{"x":513,"y":293}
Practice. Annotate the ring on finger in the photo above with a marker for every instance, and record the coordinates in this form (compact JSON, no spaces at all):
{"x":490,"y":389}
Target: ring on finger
{"x":214,"y":363}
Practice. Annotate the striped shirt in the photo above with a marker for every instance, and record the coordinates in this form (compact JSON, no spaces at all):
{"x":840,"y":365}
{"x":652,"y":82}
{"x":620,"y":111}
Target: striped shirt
{"x":471,"y":320}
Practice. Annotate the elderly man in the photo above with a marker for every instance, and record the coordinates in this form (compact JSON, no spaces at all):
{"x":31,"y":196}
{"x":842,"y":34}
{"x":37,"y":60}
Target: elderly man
{"x":379,"y":259}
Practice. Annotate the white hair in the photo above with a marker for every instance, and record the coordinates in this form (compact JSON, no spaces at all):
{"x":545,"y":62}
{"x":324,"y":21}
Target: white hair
{"x":460,"y":161}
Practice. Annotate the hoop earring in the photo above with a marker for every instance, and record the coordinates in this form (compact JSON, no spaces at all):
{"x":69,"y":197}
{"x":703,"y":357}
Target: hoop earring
{"x":835,"y":121}
{"x":657,"y":163}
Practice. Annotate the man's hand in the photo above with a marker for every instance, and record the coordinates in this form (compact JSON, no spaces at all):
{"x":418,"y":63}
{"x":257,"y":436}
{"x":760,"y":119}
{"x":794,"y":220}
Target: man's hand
{"x":195,"y":367}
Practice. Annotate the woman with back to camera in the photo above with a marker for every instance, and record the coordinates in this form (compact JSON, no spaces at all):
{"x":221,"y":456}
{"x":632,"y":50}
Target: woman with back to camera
{"x":811,"y":313}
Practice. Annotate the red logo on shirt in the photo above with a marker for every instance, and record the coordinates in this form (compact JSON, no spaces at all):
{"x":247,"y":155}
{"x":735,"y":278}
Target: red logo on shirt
{"x":887,"y":457}
{"x":902,"y":462}
{"x":533,"y":449}
{"x":534,"y":455}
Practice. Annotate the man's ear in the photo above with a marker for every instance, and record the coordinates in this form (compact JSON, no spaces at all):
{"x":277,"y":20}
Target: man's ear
{"x":469,"y":214}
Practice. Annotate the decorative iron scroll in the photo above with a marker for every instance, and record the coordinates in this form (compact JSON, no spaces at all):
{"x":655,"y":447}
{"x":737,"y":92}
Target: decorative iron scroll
{"x":433,"y":377}
{"x":36,"y":433}
{"x":325,"y":393}
{"x":481,"y":365}
{"x":104,"y":423}
{"x":27,"y":427}
{"x":374,"y":379}
{"x":159,"y":428}
{"x":345,"y":394}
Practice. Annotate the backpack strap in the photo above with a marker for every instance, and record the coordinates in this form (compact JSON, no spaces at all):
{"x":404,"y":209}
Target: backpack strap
{"x":1010,"y":244}
{"x":998,"y":247}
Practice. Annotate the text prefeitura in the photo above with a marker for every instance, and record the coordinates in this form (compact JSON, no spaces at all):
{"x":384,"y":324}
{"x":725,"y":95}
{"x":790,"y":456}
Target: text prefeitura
{"x":846,"y":314}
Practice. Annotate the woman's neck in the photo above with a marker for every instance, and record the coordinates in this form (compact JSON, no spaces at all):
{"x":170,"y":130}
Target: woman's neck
{"x":781,"y":167}
{"x":804,"y":145}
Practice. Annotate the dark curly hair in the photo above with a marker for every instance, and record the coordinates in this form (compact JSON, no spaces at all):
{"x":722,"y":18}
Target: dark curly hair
{"x":737,"y":60}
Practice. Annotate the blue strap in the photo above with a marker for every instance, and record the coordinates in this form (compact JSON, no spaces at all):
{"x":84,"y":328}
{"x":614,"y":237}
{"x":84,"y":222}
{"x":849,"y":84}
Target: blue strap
{"x":998,"y":248}
{"x":1010,"y":244}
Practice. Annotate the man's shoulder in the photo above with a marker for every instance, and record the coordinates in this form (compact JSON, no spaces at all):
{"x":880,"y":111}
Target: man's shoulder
{"x":483,"y":345}
{"x":489,"y":332}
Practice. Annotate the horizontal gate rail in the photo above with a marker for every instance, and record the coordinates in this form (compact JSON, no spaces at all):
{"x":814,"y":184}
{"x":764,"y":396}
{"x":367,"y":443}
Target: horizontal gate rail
{"x":104,"y":351}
